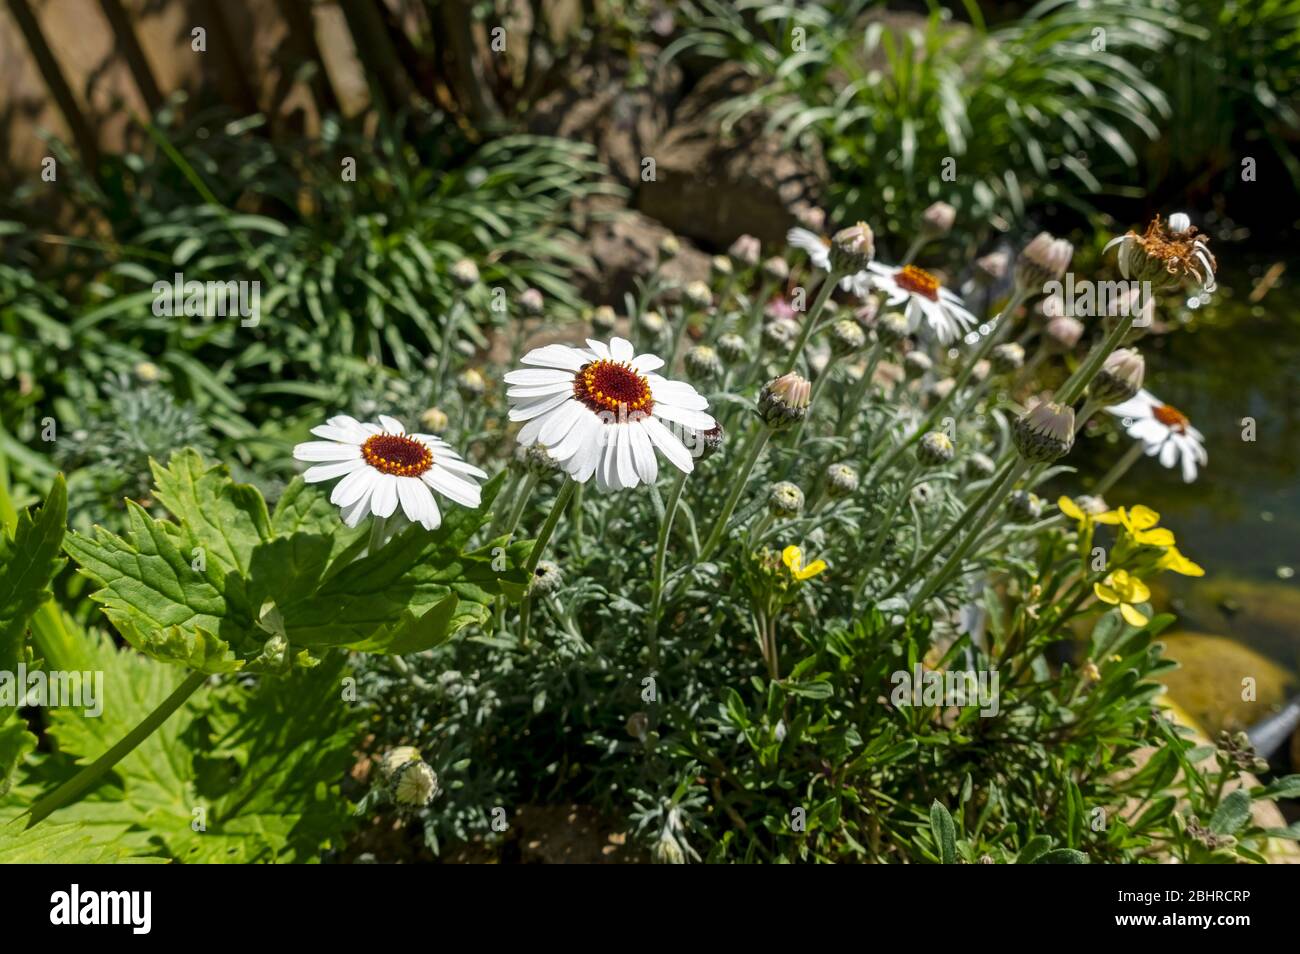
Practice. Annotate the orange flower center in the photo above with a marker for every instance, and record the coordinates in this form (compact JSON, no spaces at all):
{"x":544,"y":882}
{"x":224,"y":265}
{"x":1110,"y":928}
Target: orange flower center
{"x":612,"y":386}
{"x":397,"y":455}
{"x":1170,"y":417}
{"x":918,"y":281}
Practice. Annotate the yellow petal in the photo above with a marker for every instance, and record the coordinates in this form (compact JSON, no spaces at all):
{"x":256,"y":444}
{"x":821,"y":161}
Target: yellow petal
{"x":811,"y":570}
{"x":1070,"y":508}
{"x":1175,"y":561}
{"x":1111,"y":518}
{"x":1105,"y":593}
{"x":1131,"y":615}
{"x":792,"y":557}
{"x":1159,"y":537}
{"x":1143,"y":518}
{"x":1138,"y":592}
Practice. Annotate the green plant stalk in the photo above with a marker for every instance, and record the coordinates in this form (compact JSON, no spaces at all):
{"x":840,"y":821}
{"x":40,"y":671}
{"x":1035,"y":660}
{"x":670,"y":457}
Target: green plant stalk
{"x":968,"y":368}
{"x":1075,"y":385}
{"x":683,"y":319}
{"x":737,"y":486}
{"x":520,"y":502}
{"x":849,"y":411}
{"x":1119,"y":469}
{"x":548,"y":528}
{"x":882,"y":530}
{"x":953,"y":529}
{"x":953,"y":563}
{"x":823,"y":296}
{"x":83,"y":780}
{"x":377,"y":525}
{"x":661,"y":561}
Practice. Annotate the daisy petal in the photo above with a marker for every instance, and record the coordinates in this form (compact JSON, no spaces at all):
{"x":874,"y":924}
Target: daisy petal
{"x":326,"y":451}
{"x":314,"y":475}
{"x":667,"y":442}
{"x":391,"y":424}
{"x":384,"y":499}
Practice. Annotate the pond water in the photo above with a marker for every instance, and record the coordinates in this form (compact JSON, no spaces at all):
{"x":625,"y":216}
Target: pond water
{"x":1240,"y":519}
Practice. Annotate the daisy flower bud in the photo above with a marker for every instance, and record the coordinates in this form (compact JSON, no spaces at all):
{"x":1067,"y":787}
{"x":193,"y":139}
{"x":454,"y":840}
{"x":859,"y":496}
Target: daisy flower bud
{"x":935,"y":449}
{"x":992,"y":268}
{"x":698,"y":295}
{"x":784,"y":401}
{"x":1091,"y":672}
{"x":720,"y":266}
{"x":470,"y":384}
{"x":1062,"y":333}
{"x":937,"y":220}
{"x":667,"y":851}
{"x":703,"y":363}
{"x":1025,"y":506}
{"x":746,"y":251}
{"x":847,"y":337}
{"x":396,"y":758}
{"x":435,"y":419}
{"x":1043,"y":260}
{"x":1045,"y":432}
{"x":654,"y":323}
{"x":465,"y":273}
{"x":780,"y":334}
{"x":1120,"y":377}
{"x":711,"y":441}
{"x":891,"y":328}
{"x":916,"y":364}
{"x":866,"y":313}
{"x":531,"y":302}
{"x":980,"y":465}
{"x":637,"y":725}
{"x":1007,"y":357}
{"x":785,"y":500}
{"x":940,"y":389}
{"x":1091,"y":504}
{"x":841,"y":480}
{"x":547,"y":579}
{"x":852,"y":249}
{"x":147,"y":372}
{"x":669,"y":247}
{"x":776,"y":269}
{"x":733,"y":348}
{"x":536,"y":459}
{"x":415,"y":785}
{"x":603,"y":320}
{"x":923,"y":494}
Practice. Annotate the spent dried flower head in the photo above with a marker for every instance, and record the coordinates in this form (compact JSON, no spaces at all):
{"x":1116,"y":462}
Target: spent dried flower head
{"x":1166,"y":256}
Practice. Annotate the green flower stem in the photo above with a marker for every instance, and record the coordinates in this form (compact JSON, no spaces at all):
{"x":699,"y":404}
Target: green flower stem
{"x":737,"y":485}
{"x":377,"y":525}
{"x":520,"y":502}
{"x":548,"y":528}
{"x":882,"y":529}
{"x":953,"y":529}
{"x":1119,"y":469}
{"x":963,"y":377}
{"x":823,"y":296}
{"x":661,"y":562}
{"x":755,"y":313}
{"x":88,"y":776}
{"x":912,"y":250}
{"x":1075,"y":385}
{"x":981,"y":520}
{"x":679,"y":332}
{"x":849,"y":411}
{"x":575,"y":524}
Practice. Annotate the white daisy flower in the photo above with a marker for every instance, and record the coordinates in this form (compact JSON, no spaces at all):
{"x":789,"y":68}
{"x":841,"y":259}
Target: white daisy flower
{"x":1165,"y":431}
{"x":601,"y":411}
{"x":945,"y":317}
{"x":818,"y":248}
{"x":383,"y":466}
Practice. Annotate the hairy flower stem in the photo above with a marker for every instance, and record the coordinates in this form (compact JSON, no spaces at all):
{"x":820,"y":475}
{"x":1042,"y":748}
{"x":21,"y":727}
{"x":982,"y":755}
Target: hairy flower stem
{"x":963,"y":377}
{"x":882,"y":529}
{"x":661,"y":561}
{"x":1075,"y":385}
{"x":909,"y":256}
{"x":548,"y":528}
{"x":737,"y":485}
{"x":678,"y":334}
{"x":88,"y":776}
{"x":810,"y":322}
{"x":1119,"y":469}
{"x":520,"y":502}
{"x":849,"y":410}
{"x":981,"y":520}
{"x":953,"y":529}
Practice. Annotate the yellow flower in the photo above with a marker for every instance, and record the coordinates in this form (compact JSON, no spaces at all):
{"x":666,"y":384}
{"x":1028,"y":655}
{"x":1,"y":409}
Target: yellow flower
{"x":1140,"y":522}
{"x":1123,"y":590}
{"x":1075,"y":512}
{"x":792,"y":557}
{"x":1172,"y":559}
